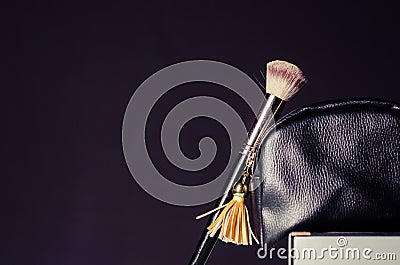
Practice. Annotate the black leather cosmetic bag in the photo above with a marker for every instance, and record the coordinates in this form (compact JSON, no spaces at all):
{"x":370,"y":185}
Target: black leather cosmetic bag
{"x":330,"y":167}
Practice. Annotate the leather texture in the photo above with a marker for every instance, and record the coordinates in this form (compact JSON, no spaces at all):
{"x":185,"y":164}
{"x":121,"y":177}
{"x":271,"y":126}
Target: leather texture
{"x":330,"y":167}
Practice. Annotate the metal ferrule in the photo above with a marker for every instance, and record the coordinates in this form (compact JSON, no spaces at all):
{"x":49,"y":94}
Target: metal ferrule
{"x":269,"y":111}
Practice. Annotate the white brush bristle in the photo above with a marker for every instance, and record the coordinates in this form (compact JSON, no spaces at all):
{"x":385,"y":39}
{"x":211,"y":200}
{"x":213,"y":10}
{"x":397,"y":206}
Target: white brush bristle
{"x":284,"y":79}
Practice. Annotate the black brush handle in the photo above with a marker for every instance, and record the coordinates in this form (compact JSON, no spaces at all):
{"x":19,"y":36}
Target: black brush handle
{"x":270,"y":110}
{"x":206,"y":243}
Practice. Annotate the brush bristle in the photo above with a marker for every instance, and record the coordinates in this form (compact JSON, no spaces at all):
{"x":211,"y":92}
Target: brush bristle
{"x":284,"y":79}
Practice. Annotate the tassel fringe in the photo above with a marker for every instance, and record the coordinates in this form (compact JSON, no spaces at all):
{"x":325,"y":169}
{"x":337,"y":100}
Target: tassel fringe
{"x":233,"y":223}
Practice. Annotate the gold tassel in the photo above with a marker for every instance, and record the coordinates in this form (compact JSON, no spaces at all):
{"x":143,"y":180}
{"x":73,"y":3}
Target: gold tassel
{"x":233,"y":222}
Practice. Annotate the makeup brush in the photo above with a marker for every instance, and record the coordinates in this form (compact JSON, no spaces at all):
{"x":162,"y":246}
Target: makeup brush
{"x":283,"y":81}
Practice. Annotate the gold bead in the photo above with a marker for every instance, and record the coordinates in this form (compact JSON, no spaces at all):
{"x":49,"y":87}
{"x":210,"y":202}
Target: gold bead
{"x":239,"y":188}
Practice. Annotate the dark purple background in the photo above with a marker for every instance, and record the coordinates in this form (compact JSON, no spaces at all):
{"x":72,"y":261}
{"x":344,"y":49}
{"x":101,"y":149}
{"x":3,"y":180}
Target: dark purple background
{"x":68,"y":72}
